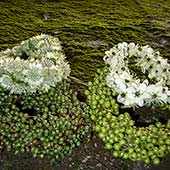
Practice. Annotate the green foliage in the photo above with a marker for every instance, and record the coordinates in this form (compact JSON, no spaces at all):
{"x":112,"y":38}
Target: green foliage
{"x":117,"y":129}
{"x":44,"y":123}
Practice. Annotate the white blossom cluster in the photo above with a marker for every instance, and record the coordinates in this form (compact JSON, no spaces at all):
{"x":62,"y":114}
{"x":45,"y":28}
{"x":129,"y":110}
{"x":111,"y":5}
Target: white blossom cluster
{"x":37,"y":63}
{"x":131,"y":90}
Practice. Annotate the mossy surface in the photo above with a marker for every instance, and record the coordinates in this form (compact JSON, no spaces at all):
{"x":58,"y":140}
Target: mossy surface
{"x":87,"y":28}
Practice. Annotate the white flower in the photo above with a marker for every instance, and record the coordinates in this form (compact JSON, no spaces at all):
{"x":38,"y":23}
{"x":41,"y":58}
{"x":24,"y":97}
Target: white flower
{"x":157,"y":94}
{"x":147,"y":50}
{"x":129,"y":98}
{"x":136,"y":94}
{"x":2,"y":61}
{"x":122,"y":46}
{"x":140,"y":93}
{"x":28,"y":62}
{"x":157,"y":72}
{"x":163,"y":62}
{"x":120,"y":84}
{"x":116,"y":81}
{"x":132,"y":49}
{"x":19,"y":88}
{"x":130,"y":88}
{"x":6,"y":82}
{"x":33,"y":76}
{"x":46,"y":87}
{"x":145,"y":62}
{"x":122,"y":80}
{"x":50,"y":55}
{"x":55,"y":47}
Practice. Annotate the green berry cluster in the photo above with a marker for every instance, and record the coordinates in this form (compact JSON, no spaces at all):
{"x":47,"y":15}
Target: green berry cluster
{"x":165,"y":107}
{"x":117,"y":129}
{"x":44,"y":123}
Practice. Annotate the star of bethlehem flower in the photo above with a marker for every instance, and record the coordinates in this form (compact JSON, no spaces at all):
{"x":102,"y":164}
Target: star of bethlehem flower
{"x":130,"y":88}
{"x":28,"y":65}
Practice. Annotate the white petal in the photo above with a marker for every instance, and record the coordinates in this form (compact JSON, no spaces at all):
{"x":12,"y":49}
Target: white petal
{"x":142,"y":87}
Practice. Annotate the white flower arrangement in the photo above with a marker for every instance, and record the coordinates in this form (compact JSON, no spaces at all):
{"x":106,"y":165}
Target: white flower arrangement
{"x":38,"y":63}
{"x":131,"y":88}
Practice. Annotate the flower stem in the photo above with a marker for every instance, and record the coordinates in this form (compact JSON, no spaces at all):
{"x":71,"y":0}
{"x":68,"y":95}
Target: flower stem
{"x":78,"y":81}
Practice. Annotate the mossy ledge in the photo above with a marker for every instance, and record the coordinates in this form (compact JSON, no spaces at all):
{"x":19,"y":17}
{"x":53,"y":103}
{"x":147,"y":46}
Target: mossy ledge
{"x":87,"y":28}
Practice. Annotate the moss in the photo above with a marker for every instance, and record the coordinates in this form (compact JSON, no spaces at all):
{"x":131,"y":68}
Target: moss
{"x":86,"y":28}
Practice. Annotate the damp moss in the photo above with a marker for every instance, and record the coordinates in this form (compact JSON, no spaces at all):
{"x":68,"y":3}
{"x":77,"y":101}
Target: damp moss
{"x":87,"y":28}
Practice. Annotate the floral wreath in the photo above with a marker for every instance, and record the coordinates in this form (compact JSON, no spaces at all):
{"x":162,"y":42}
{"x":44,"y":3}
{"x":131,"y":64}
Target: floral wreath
{"x":152,"y":86}
{"x":37,"y":63}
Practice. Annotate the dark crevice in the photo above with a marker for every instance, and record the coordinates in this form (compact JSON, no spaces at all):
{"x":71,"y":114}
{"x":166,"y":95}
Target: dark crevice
{"x":144,"y":116}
